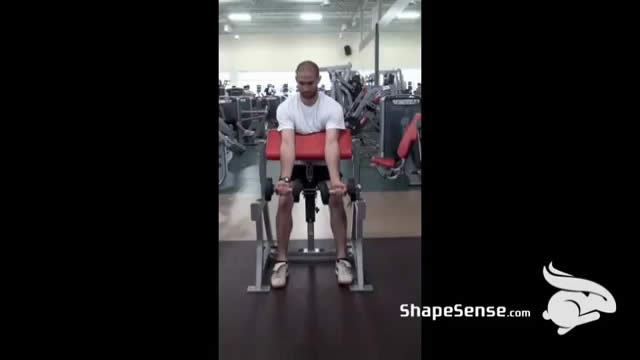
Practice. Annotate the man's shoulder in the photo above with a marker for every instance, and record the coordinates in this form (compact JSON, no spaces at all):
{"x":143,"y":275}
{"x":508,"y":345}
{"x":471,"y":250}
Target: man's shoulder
{"x":289,"y":99}
{"x":284,"y":104}
{"x":330,"y":102}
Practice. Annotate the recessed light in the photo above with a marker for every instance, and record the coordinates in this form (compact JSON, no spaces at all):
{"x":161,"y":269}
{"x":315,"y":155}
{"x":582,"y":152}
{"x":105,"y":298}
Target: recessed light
{"x":240,"y":17}
{"x":311,"y":16}
{"x":409,"y":15}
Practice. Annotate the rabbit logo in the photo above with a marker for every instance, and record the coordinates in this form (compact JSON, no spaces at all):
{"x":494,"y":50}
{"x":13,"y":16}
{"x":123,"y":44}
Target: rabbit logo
{"x":578,"y":301}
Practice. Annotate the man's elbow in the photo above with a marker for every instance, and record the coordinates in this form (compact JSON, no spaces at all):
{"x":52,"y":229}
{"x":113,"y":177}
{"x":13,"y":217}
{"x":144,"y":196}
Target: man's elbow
{"x":287,"y":138}
{"x":332,"y":138}
{"x":331,"y":144}
{"x":287,"y":148}
{"x":331,"y":150}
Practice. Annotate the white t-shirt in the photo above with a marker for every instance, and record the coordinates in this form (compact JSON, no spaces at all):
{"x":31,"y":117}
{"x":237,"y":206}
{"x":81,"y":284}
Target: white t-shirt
{"x":325,"y":114}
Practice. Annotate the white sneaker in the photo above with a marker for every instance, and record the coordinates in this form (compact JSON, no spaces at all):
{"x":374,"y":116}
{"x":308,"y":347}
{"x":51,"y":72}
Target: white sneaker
{"x":343,"y":272}
{"x":279,"y":275}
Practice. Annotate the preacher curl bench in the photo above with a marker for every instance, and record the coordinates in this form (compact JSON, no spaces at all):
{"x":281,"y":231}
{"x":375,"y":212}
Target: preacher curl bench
{"x":309,"y":151}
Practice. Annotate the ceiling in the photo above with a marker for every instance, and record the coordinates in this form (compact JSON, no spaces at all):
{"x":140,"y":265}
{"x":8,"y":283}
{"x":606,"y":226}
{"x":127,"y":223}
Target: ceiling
{"x":283,"y":16}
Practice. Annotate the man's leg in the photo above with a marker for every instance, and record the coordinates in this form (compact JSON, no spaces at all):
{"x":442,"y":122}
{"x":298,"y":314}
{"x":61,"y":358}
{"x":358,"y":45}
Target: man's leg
{"x":284,"y":224}
{"x":339,"y":228}
{"x":338,"y":224}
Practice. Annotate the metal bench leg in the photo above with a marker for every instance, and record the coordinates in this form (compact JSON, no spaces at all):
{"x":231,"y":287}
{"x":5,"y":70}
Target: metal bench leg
{"x":359,"y":215}
{"x":262,"y":250}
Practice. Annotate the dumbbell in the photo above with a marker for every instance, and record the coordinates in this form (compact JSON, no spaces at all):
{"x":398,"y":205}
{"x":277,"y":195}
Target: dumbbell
{"x":268,"y":189}
{"x":353,"y":190}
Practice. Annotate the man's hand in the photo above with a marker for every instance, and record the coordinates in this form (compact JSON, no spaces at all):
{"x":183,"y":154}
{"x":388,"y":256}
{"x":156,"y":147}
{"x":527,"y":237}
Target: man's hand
{"x":283,"y":188}
{"x":337,"y":188}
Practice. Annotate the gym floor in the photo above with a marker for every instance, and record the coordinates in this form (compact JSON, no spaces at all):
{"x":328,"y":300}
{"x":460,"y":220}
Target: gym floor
{"x":314,"y":317}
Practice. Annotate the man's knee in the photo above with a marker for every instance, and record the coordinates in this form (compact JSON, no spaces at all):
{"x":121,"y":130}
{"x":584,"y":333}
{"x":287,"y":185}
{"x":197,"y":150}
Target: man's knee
{"x":335,"y":202}
{"x":285,"y":203}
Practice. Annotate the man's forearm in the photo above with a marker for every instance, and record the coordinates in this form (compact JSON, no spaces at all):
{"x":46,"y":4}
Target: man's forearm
{"x":332,"y":158}
{"x":287,"y":158}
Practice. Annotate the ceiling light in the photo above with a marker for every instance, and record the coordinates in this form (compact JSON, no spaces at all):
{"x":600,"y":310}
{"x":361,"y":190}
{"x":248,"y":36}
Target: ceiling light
{"x":409,"y":15}
{"x":325,"y":3}
{"x":240,"y":17}
{"x":237,"y":36}
{"x":227,"y":28}
{"x":311,"y":16}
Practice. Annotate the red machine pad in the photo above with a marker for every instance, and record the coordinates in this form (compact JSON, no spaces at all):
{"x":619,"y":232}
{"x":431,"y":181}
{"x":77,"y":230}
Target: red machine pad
{"x":410,"y":135}
{"x":308,"y":147}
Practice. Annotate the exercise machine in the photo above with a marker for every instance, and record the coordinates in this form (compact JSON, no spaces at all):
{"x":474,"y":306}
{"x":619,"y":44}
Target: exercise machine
{"x":272,"y":102}
{"x":309,"y":151}
{"x":409,"y":89}
{"x":400,"y":138}
{"x":237,"y":111}
{"x":392,"y":81}
{"x":226,"y":148}
{"x":343,"y":83}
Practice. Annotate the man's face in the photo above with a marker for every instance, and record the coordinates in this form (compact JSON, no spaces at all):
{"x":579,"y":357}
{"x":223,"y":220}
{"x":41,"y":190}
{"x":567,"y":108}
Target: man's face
{"x":307,"y":83}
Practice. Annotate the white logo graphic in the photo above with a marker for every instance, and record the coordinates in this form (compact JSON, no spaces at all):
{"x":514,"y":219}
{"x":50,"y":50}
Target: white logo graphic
{"x":578,"y":301}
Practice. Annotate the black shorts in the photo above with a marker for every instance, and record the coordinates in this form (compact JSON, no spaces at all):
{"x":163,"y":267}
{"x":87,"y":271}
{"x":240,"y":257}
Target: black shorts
{"x":320,"y":173}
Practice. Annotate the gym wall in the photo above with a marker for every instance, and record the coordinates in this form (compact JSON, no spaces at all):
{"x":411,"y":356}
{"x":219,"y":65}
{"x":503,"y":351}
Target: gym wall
{"x":397,"y":50}
{"x":282,"y":52}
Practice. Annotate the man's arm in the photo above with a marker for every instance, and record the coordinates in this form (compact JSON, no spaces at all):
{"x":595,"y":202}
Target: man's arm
{"x":287,"y":152}
{"x":332,"y":155}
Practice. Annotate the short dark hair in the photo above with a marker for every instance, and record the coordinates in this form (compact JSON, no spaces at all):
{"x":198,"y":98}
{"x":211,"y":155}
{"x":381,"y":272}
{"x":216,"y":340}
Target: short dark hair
{"x":308,"y":63}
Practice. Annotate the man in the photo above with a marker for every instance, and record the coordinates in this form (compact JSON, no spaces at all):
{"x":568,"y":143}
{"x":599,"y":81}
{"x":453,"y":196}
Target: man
{"x":305,"y":112}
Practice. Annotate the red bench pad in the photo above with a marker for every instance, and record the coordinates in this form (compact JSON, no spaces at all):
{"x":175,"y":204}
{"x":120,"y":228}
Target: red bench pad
{"x":308,"y":147}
